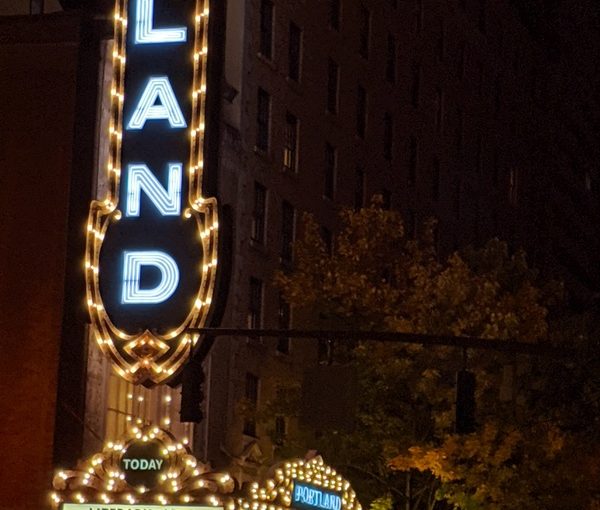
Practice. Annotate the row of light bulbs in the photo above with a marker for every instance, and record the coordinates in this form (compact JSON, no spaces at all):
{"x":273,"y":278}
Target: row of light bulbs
{"x":99,"y":221}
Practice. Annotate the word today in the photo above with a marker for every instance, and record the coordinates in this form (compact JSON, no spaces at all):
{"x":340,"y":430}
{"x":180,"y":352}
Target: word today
{"x":143,"y":464}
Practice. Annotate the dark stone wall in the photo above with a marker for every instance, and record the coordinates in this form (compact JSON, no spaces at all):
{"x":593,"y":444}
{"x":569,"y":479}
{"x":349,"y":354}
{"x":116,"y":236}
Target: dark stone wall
{"x":38,"y":65}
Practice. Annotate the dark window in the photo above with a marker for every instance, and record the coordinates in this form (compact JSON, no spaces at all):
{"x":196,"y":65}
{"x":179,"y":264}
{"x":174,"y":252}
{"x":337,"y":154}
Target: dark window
{"x":283,"y":322}
{"x":459,"y":131}
{"x":480,"y":79}
{"x":255,"y":304}
{"x":513,"y":186}
{"x":325,"y":350}
{"x":435,"y":179}
{"x":394,"y":3}
{"x":416,"y":84}
{"x":294,"y":52}
{"x":327,"y":238}
{"x":334,"y":14}
{"x":287,"y":231}
{"x":482,"y":17}
{"x":419,"y":16}
{"x":263,"y":120}
{"x":365,"y":31}
{"x":266,"y":28}
{"x":388,"y":135}
{"x":290,"y":143}
{"x":330,"y":171}
{"x":436,"y":236}
{"x":477,"y":223}
{"x":359,"y":190}
{"x":496,"y":175}
{"x":413,"y":154}
{"x":390,"y":62}
{"x":462,"y":56}
{"x":386,"y":196}
{"x":251,"y":388}
{"x":251,"y":394}
{"x":280,"y":429}
{"x":479,"y":155}
{"x":439,"y":113}
{"x":441,"y":42}
{"x":588,"y":181}
{"x":497,"y":95}
{"x":333,"y":76}
{"x":411,"y":224}
{"x":361,"y":112}
{"x":259,"y":213}
{"x":457,"y":198}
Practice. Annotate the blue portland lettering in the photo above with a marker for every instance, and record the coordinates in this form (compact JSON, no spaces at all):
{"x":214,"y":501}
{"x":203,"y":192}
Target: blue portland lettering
{"x":313,"y":497}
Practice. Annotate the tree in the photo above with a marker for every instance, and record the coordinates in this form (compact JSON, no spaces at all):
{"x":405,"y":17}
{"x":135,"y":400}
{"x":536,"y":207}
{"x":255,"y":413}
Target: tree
{"x":403,"y":448}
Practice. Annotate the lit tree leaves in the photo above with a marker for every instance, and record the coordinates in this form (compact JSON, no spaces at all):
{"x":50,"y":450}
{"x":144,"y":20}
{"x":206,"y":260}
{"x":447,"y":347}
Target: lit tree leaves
{"x":524,"y":453}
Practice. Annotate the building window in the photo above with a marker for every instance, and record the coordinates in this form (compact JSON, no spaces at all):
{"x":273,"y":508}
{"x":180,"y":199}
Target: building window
{"x":386,"y":196}
{"x":280,"y":430}
{"x":390,"y":61}
{"x":419,"y":16}
{"x":588,"y":181}
{"x":416,"y":84}
{"x":251,"y":394}
{"x":263,"y":117}
{"x":327,"y":238}
{"x":477,"y":222}
{"x":411,"y":224}
{"x":333,"y":77}
{"x":496,"y":170}
{"x":482,"y":18}
{"x":294,"y":52}
{"x":361,"y":112}
{"x":259,"y":213}
{"x":441,"y":42}
{"x":457,"y":198}
{"x":266,"y":28}
{"x":462,"y":63}
{"x":255,"y":304}
{"x":479,"y":155}
{"x":513,"y":187}
{"x":459,"y":131}
{"x":287,"y":232}
{"x":283,"y":322}
{"x":413,"y":154}
{"x":365,"y":31}
{"x":388,"y":135}
{"x":435,"y":180}
{"x":439,"y":110}
{"x":290,"y":143}
{"x":497,"y":95}
{"x":359,"y":190}
{"x":330,"y":171}
{"x":334,"y":14}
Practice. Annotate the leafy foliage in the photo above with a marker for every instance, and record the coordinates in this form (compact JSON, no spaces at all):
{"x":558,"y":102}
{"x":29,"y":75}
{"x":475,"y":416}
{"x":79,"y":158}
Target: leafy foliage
{"x":523,"y":452}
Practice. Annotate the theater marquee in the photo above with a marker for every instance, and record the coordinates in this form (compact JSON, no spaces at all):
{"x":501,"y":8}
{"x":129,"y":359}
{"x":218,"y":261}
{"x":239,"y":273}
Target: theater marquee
{"x":149,"y":469}
{"x":151,"y":252}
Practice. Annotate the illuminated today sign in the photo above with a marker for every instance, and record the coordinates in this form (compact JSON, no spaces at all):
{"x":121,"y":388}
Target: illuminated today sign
{"x":146,"y":469}
{"x":311,"y":497}
{"x":151,"y":251}
{"x":143,"y":463}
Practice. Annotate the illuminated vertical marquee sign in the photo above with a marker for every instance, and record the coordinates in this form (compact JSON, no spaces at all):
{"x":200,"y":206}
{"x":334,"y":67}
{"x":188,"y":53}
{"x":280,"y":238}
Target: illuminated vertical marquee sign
{"x":151,"y":250}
